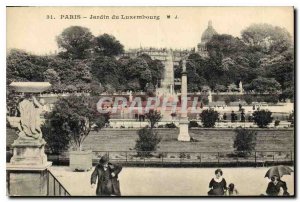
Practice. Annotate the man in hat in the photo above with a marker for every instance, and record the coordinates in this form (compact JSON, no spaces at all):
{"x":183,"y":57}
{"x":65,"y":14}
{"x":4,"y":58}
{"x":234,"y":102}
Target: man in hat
{"x":107,"y":175}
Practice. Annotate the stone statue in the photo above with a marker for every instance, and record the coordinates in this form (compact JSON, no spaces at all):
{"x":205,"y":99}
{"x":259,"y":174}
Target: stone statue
{"x":184,"y":66}
{"x":30,"y":121}
{"x":209,"y":96}
{"x":241,"y":87}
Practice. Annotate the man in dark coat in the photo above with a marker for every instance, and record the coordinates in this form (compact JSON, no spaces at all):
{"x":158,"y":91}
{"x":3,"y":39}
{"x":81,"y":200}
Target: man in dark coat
{"x":107,"y":175}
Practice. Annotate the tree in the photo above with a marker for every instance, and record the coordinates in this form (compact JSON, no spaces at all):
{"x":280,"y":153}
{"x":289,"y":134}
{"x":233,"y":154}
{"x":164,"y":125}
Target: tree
{"x":245,"y":141}
{"x":220,"y":88}
{"x":150,"y":90}
{"x":134,"y":85}
{"x":56,"y":137}
{"x":108,"y":45}
{"x":137,"y":68}
{"x":232,"y":87}
{"x":224,"y":45}
{"x":96,"y":88}
{"x":76,"y":42}
{"x":209,"y":117}
{"x":105,"y":70}
{"x":262,"y":118}
{"x":267,"y":37}
{"x":153,"y":117}
{"x":22,"y":66}
{"x":52,"y":77}
{"x":262,"y":85}
{"x":288,"y":93}
{"x":147,"y":142}
{"x":205,"y":88}
{"x":72,"y":118}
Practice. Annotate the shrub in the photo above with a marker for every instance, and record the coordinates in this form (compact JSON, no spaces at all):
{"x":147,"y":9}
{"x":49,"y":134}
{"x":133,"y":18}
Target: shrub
{"x":230,"y":98}
{"x":193,"y":124}
{"x":245,"y":141}
{"x":276,"y":122}
{"x":147,"y":142}
{"x":259,"y":99}
{"x":72,"y":119}
{"x":271,"y":99}
{"x":182,"y":155}
{"x":209,"y":117}
{"x":262,"y":118}
{"x":248,"y":99}
{"x":170,"y":125}
{"x":153,"y":117}
{"x":220,"y":88}
{"x":227,"y":100}
{"x":162,"y":155}
{"x":216,"y":98}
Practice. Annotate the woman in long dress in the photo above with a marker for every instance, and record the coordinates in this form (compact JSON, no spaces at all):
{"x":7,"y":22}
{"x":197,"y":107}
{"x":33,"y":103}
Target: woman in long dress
{"x":217,"y":184}
{"x":275,"y":186}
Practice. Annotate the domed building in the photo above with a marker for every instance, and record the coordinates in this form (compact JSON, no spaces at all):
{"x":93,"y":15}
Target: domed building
{"x":206,"y":37}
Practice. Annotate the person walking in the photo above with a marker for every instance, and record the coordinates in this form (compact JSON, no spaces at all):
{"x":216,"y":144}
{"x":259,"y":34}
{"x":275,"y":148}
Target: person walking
{"x":106,"y":174}
{"x":218,"y":184}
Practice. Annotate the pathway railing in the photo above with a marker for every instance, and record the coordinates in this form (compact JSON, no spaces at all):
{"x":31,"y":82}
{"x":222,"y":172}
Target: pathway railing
{"x":144,"y":158}
{"x":54,"y":187}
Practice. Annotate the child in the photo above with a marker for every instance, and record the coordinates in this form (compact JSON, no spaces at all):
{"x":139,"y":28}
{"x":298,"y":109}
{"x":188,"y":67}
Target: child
{"x":232,"y":191}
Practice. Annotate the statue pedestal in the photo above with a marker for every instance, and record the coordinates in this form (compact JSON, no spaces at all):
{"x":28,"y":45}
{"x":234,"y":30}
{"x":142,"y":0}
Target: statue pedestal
{"x":27,"y":170}
{"x":28,"y":152}
{"x":27,"y":180}
{"x":184,"y":131}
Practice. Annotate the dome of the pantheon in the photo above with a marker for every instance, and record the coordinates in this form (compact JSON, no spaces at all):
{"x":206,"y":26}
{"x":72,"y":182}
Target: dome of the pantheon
{"x":208,"y":33}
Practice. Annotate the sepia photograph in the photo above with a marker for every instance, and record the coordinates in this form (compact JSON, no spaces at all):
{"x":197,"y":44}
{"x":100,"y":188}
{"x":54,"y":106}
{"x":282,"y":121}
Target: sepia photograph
{"x":150,"y":101}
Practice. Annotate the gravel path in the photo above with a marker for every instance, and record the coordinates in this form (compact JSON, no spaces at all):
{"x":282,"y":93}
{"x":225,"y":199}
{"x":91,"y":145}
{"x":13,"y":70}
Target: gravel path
{"x":171,"y":181}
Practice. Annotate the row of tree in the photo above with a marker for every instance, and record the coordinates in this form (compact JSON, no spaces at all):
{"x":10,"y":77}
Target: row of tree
{"x":263,"y":59}
{"x":86,"y":63}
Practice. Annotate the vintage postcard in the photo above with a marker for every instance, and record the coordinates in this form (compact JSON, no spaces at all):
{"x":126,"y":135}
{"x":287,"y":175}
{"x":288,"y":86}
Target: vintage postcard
{"x":150,"y":101}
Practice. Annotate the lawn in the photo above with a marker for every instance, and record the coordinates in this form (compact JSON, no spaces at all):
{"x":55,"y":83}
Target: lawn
{"x":207,"y":140}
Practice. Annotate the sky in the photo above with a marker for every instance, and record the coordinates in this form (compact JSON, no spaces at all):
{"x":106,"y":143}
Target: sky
{"x":29,"y":29}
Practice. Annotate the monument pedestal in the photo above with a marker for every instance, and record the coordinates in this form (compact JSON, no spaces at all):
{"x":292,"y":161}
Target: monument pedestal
{"x":27,"y":180}
{"x":184,"y":131}
{"x":28,"y":152}
{"x":27,"y":170}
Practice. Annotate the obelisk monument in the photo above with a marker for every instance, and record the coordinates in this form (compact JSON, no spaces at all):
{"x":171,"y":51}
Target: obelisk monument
{"x":184,"y":123}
